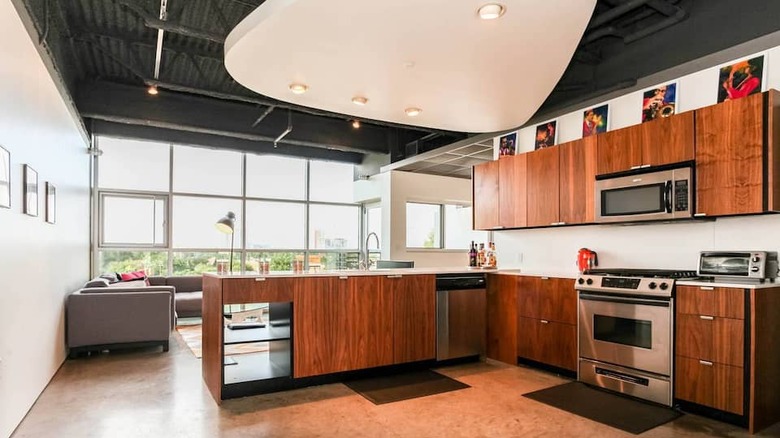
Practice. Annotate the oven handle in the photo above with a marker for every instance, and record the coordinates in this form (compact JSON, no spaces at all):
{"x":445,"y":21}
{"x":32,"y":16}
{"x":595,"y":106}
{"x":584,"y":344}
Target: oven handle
{"x":624,"y":300}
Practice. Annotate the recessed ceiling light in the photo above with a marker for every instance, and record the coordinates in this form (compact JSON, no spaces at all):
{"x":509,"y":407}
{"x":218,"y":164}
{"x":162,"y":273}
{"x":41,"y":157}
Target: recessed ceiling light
{"x":356,"y":124}
{"x":411,"y":112}
{"x":152,"y":90}
{"x":298,"y":88}
{"x":359,"y":100}
{"x":491,"y":11}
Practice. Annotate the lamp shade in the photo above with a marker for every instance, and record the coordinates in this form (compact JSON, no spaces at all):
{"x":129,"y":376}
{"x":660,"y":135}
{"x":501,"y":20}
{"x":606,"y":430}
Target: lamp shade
{"x":227,"y":223}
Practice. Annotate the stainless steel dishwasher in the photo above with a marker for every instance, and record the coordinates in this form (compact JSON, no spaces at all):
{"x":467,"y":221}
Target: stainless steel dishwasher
{"x":460,"y":315}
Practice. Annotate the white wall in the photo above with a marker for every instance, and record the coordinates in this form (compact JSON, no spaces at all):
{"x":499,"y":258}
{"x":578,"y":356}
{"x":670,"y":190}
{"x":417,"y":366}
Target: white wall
{"x":39,"y":262}
{"x":677,"y":245}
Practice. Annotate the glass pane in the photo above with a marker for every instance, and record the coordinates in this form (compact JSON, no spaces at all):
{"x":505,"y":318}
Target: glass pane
{"x":194,"y":219}
{"x":153,"y":263}
{"x":206,"y":171}
{"x":633,"y":200}
{"x":194,"y":263}
{"x":133,"y":220}
{"x":633,"y":332}
{"x":268,"y":176}
{"x":277,"y":261}
{"x":458,"y":233}
{"x":276,"y":225}
{"x":374,"y":223}
{"x":334,"y":227}
{"x":133,"y":164}
{"x":423,"y":225}
{"x":328,"y":261}
{"x":331,"y":181}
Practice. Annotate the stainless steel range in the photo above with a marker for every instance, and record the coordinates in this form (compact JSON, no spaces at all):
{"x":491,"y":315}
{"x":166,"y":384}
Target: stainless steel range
{"x":626,"y":331}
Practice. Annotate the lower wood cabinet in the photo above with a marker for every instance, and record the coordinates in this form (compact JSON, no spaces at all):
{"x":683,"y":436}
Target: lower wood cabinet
{"x":548,"y":342}
{"x":502,"y":317}
{"x":710,"y":384}
{"x":414,"y":316}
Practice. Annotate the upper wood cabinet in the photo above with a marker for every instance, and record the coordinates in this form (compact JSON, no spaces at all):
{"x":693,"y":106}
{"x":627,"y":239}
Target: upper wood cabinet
{"x":512,"y":191}
{"x":577,"y":178}
{"x":485,"y":195}
{"x":543,"y":185}
{"x":662,"y":141}
{"x":736,"y":156}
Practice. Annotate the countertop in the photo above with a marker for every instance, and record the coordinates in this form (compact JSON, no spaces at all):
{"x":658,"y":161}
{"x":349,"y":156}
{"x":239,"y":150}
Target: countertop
{"x":732,"y":284}
{"x":405,"y":271}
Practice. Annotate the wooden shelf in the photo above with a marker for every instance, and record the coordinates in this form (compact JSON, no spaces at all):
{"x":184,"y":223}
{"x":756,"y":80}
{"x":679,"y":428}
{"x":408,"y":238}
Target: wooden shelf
{"x":262,"y":334}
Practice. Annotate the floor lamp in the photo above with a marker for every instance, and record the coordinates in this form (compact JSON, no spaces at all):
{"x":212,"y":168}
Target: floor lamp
{"x":227,"y":225}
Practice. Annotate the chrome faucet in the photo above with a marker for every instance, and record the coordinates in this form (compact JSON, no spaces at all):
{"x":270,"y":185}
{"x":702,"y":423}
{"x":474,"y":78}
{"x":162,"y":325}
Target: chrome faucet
{"x":365,"y":264}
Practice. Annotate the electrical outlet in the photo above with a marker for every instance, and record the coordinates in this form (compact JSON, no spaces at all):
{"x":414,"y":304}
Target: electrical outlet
{"x":519,"y":257}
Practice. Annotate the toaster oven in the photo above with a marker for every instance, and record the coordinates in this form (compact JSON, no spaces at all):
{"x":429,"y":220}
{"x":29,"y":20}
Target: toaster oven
{"x":755,"y":265}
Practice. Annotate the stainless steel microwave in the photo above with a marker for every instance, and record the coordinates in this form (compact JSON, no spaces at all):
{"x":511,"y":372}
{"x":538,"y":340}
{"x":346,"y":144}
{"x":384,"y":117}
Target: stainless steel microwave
{"x":738,"y":264}
{"x":653,"y":195}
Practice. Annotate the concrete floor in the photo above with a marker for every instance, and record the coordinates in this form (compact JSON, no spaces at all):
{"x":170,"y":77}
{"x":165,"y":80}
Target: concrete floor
{"x":153,"y":394}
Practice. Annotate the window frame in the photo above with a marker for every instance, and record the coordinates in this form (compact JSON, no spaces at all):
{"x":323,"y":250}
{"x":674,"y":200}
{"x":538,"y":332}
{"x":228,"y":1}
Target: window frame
{"x":132,"y":194}
{"x":442,"y":226}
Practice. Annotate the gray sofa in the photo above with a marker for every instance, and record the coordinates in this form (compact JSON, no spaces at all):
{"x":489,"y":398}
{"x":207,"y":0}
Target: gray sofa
{"x":189,"y":293}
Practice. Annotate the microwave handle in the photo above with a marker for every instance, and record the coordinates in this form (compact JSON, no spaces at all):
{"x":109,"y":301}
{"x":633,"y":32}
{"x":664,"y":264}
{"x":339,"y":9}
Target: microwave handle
{"x":668,"y":196}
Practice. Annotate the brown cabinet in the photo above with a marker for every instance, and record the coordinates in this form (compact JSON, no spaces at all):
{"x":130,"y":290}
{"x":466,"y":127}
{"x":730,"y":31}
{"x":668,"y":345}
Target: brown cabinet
{"x":552,"y":299}
{"x":485,"y":195}
{"x":577,"y":178}
{"x":662,"y":141}
{"x":543,"y":185}
{"x":414,"y":316}
{"x":711,"y":338}
{"x":710,"y":384}
{"x":512,"y":191}
{"x":736,"y":156}
{"x":712,"y":301}
{"x":502,"y":317}
{"x":258,"y":290}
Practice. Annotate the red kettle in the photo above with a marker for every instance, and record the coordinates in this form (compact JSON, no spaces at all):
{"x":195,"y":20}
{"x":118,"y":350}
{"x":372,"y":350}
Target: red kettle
{"x":586,"y":259}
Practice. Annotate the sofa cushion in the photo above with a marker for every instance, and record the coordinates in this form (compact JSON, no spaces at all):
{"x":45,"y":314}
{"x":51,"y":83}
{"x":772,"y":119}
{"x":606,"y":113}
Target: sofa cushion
{"x":97,"y":282}
{"x":111,"y":277}
{"x":136,"y":275}
{"x":188,"y":304}
{"x":133,"y":283}
{"x":187,"y":283}
{"x":157,"y":281}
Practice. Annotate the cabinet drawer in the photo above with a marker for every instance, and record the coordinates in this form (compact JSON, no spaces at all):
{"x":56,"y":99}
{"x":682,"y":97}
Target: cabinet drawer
{"x":713,"y":339}
{"x":713,"y":301}
{"x":553,"y":299}
{"x":257,"y":290}
{"x":548,"y":342}
{"x":710,"y":384}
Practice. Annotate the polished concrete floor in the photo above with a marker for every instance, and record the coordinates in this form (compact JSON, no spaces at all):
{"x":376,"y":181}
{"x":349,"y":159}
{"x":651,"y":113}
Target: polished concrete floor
{"x":153,"y":394}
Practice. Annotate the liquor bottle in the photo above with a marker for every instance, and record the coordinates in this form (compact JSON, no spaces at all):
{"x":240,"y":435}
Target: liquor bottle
{"x":492,"y":258}
{"x":473,"y":255}
{"x":481,"y":255}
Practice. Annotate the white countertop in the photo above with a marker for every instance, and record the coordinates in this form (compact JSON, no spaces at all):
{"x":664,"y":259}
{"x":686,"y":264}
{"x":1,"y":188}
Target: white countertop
{"x":406,"y":271}
{"x":732,"y":284}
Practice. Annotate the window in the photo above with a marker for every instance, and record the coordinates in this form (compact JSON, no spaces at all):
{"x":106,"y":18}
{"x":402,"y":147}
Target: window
{"x":196,"y":263}
{"x":331,"y":182}
{"x":275,"y":225}
{"x":194,"y":219}
{"x":153,"y":263}
{"x":277,"y":261}
{"x":423,"y":225}
{"x":374,"y":221}
{"x":134,"y":165}
{"x":206,"y":171}
{"x":273,"y":177}
{"x":334,"y":226}
{"x":132,"y":220}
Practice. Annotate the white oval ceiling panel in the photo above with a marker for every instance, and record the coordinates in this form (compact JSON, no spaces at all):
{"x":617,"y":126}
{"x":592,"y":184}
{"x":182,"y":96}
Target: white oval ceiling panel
{"x":460,"y":72}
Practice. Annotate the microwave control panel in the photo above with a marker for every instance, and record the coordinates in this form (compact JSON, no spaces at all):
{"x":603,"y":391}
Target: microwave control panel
{"x":681,"y":195}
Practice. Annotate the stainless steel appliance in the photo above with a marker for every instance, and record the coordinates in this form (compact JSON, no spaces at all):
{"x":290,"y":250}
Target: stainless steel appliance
{"x":744,"y":265}
{"x":461,"y":301}
{"x":394,"y":264}
{"x":645,"y":195}
{"x":626,"y":331}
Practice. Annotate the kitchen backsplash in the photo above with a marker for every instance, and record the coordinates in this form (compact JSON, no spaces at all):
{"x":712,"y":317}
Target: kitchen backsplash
{"x":658,"y":245}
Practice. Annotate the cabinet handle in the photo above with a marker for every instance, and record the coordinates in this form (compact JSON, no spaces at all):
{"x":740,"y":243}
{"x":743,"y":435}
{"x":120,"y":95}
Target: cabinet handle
{"x":699,"y":214}
{"x":343,"y":277}
{"x":644,"y":166}
{"x":544,"y":321}
{"x":705,"y":362}
{"x":260,"y":279}
{"x":498,"y":228}
{"x":636,"y":167}
{"x":544,"y":278}
{"x":707,"y":318}
{"x":707,"y":288}
{"x":395,"y":276}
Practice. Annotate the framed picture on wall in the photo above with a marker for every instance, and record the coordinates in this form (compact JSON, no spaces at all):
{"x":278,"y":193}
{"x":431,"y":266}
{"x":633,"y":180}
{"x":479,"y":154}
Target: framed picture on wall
{"x":30,"y":191}
{"x":507,"y":144}
{"x":545,"y":135}
{"x":594,"y":120}
{"x":660,"y":101}
{"x":51,"y":203}
{"x":5,"y":178}
{"x":741,"y":79}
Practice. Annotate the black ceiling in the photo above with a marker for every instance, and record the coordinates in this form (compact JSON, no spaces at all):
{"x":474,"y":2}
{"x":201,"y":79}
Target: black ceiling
{"x":105,"y":52}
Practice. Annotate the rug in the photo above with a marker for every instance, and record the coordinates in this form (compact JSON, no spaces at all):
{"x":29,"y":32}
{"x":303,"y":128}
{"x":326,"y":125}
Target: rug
{"x":389,"y":389}
{"x":627,"y":414}
{"x":192,"y":335}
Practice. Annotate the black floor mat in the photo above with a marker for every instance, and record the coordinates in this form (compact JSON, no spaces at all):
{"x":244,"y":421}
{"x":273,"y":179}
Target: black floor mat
{"x":389,"y":389}
{"x":614,"y":410}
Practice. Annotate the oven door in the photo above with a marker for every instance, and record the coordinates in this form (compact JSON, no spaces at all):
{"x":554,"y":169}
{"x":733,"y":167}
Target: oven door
{"x":630,"y":332}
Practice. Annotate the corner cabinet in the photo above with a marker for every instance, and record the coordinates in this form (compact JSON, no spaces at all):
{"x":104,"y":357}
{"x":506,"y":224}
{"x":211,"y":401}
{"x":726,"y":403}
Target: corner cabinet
{"x":737,"y":169}
{"x":726,"y":361}
{"x":485,"y":196}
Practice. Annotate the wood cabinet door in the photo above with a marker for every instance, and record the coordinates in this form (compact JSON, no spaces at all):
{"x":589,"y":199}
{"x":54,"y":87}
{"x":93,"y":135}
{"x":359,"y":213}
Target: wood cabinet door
{"x":414,"y":316}
{"x":486,"y":196}
{"x":729,"y":157}
{"x":316,"y":327}
{"x":714,"y":339}
{"x":548,"y":342}
{"x":694,"y":381}
{"x":368,"y":313}
{"x":668,"y":140}
{"x":543,"y":185}
{"x":724,"y":302}
{"x":502,"y":293}
{"x":558,"y":300}
{"x":258,"y":290}
{"x":619,"y":150}
{"x":512,"y":191}
{"x":577,"y":180}
{"x":529,"y":296}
